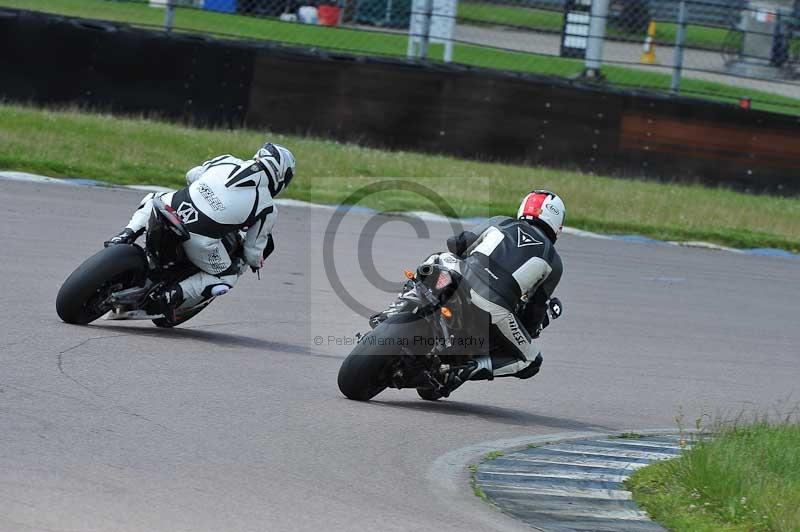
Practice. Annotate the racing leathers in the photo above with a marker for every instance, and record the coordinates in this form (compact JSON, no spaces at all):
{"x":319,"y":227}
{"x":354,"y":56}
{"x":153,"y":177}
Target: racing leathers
{"x":224,"y":195}
{"x":512,"y":268}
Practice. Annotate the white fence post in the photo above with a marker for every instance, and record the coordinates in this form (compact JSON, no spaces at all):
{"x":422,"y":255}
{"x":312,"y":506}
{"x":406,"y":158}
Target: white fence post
{"x":679,"y":41}
{"x":597,"y":35}
{"x":169,"y":16}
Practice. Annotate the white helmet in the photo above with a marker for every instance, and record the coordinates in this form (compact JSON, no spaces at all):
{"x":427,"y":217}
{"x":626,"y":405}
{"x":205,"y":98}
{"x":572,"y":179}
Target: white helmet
{"x":279,"y":164}
{"x":545,"y":209}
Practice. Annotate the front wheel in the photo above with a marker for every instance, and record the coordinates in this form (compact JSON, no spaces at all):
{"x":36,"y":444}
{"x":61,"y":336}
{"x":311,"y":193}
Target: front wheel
{"x":80,"y":299}
{"x":366,"y":371}
{"x":362,"y":375}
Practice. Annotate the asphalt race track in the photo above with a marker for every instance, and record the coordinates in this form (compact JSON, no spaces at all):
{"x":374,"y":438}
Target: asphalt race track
{"x":233,"y":422}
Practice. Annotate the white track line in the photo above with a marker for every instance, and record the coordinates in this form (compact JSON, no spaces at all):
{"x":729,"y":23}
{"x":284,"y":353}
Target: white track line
{"x":581,"y":493}
{"x":608,"y":451}
{"x":577,"y":475}
{"x":582,"y":462}
{"x":637,"y":443}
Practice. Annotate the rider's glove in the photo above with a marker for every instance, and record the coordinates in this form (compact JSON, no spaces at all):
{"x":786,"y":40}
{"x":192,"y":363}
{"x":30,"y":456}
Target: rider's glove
{"x":127,"y":236}
{"x":260,"y":265}
{"x":555,"y":308}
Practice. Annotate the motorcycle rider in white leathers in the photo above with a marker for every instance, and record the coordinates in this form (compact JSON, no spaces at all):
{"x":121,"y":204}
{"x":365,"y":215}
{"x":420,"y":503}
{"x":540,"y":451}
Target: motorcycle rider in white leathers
{"x":224,"y":195}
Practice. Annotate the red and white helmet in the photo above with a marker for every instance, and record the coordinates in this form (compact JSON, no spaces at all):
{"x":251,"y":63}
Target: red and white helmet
{"x":545,"y":209}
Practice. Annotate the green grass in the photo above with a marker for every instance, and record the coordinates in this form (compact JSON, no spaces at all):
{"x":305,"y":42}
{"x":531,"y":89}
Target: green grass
{"x":629,"y":436}
{"x":136,"y":150}
{"x":375,"y":43}
{"x":476,"y":489}
{"x":538,"y":19}
{"x":747,"y":478}
{"x":552,"y":21}
{"x":493,"y":455}
{"x":473,"y":480}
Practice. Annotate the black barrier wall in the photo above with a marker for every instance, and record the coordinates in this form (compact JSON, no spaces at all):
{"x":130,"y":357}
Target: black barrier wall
{"x":395,"y":104}
{"x":54,"y":60}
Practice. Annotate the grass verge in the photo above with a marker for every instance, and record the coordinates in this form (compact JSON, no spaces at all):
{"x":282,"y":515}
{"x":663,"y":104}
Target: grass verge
{"x":746,"y":478}
{"x":473,"y":479}
{"x":552,"y":21}
{"x":137,"y":150}
{"x":395,"y":44}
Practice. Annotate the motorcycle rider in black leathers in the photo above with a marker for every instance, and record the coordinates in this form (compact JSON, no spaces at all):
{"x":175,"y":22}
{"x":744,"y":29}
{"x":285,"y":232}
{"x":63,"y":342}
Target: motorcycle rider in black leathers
{"x":512,"y":268}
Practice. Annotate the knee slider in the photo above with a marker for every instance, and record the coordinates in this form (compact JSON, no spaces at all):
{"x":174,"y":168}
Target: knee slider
{"x":216,"y":290}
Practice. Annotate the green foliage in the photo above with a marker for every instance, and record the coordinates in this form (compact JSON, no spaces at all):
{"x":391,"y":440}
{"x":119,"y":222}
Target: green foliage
{"x":746,"y":478}
{"x":629,"y":436}
{"x":138,"y":150}
{"x":493,"y":455}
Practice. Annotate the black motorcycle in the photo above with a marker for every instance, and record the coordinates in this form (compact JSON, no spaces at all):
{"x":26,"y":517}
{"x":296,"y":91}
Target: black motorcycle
{"x":417,"y":341}
{"x":122,"y":279}
{"x":427,"y":339}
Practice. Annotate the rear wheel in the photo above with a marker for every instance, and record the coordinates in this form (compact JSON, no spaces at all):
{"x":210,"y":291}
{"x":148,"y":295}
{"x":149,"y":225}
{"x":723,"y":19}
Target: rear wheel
{"x":81,"y":298}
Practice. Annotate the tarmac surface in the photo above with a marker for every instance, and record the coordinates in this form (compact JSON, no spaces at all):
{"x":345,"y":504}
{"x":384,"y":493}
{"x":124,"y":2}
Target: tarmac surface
{"x":233,"y":422}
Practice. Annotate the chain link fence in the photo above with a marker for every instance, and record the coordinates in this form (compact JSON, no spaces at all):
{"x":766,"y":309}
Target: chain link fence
{"x":745,"y":51}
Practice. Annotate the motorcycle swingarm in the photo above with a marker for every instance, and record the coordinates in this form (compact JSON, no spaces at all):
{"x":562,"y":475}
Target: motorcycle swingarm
{"x":130,"y":297}
{"x":131,"y":315}
{"x":127,"y":304}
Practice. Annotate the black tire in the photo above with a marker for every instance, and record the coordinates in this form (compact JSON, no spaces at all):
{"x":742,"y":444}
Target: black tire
{"x":428,"y":394}
{"x":78,"y":298}
{"x":361,"y":376}
{"x":365,"y":372}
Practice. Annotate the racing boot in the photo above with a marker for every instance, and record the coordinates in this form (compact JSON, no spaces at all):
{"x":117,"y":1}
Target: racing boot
{"x":165,"y":302}
{"x":479,"y":370}
{"x":532,"y":369}
{"x":511,"y":366}
{"x":488,"y":367}
{"x":126,"y":236}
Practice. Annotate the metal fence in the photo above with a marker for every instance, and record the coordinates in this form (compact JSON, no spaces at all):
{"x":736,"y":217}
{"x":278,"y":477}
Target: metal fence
{"x":733,"y":50}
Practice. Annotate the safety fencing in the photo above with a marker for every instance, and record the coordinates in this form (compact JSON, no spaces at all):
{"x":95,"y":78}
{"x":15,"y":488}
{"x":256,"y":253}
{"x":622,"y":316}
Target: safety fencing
{"x":741,"y":51}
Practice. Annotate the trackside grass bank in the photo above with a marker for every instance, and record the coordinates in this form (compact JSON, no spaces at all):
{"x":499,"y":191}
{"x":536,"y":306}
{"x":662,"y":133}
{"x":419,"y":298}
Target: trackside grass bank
{"x":552,"y":21}
{"x":745,"y":479}
{"x":142,"y":151}
{"x":361,"y":42}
